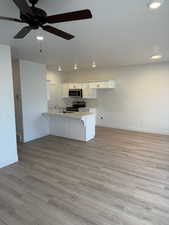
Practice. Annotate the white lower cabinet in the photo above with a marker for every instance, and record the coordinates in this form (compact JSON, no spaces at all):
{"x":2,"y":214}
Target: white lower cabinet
{"x":89,"y":110}
{"x":83,"y":125}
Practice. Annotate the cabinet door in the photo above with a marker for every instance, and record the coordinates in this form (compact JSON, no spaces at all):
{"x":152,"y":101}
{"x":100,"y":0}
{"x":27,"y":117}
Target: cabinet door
{"x":102,"y":84}
{"x":75,"y":86}
{"x":65,"y":90}
{"x":88,"y":93}
{"x":98,"y":84}
{"x":85,"y":90}
{"x":107,"y":84}
{"x":93,"y":84}
{"x":79,"y":86}
{"x":72,"y":86}
{"x":111,"y":84}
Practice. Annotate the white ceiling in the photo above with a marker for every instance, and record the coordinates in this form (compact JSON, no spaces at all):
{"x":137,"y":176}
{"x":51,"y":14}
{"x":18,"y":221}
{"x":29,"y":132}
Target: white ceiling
{"x":122,"y":32}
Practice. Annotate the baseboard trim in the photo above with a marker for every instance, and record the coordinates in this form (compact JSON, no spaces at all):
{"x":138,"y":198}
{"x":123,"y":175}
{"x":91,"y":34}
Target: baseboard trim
{"x":26,"y":140}
{"x":5,"y":164}
{"x":149,"y":131}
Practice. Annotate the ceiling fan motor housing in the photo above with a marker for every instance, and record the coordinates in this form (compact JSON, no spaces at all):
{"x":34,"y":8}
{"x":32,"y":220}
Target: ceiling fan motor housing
{"x":37,"y":20}
{"x":33,"y":2}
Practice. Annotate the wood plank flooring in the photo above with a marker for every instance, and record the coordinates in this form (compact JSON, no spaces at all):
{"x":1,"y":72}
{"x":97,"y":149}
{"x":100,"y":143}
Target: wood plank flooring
{"x":120,"y":178}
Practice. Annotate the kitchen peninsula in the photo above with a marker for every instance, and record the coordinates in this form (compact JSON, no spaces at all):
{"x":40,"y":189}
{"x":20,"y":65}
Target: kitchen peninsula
{"x":74,"y":125}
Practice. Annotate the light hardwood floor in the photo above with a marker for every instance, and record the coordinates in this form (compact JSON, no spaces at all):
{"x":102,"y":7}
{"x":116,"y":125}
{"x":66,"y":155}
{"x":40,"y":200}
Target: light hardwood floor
{"x":120,"y":178}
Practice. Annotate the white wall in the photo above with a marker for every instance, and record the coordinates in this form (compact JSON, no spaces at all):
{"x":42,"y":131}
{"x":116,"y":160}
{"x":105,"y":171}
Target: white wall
{"x":55,"y":89}
{"x":8,"y":149}
{"x":34,"y":100}
{"x":140,"y":100}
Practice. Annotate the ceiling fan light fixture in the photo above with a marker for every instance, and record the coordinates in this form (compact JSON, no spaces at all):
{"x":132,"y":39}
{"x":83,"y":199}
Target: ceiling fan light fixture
{"x":156,"y":57}
{"x":75,"y":67}
{"x":40,"y":38}
{"x":94,"y":64}
{"x":155,"y":4}
{"x":59,"y":69}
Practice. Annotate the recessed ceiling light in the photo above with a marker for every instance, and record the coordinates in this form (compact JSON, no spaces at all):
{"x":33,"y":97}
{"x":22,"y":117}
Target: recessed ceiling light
{"x":94,"y":65}
{"x":155,"y":4}
{"x":75,"y":67}
{"x":40,"y":38}
{"x":155,"y":57}
{"x":59,"y":69}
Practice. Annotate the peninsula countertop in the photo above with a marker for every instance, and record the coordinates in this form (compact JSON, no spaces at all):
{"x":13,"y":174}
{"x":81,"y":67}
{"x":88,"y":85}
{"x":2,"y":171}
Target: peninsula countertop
{"x":73,"y":115}
{"x":73,"y":125}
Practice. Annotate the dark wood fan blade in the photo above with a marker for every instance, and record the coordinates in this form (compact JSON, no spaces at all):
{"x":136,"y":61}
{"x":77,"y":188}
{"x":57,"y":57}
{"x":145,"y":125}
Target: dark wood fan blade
{"x":10,"y":19}
{"x":57,"y":32}
{"x":21,"y":34}
{"x":71,"y":16}
{"x":23,"y":7}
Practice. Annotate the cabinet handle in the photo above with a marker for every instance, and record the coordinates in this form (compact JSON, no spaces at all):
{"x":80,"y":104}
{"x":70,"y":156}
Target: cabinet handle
{"x":98,"y":85}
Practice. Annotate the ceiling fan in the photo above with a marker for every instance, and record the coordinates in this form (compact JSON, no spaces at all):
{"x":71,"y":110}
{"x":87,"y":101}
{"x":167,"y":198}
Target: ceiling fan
{"x":36,"y":18}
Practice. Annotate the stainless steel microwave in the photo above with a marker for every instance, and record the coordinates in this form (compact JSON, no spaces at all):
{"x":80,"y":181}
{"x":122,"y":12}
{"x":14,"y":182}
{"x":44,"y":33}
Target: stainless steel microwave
{"x":78,"y":93}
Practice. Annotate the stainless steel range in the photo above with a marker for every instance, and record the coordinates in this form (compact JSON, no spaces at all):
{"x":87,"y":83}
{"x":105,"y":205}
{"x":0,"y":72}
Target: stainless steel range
{"x":76,"y":105}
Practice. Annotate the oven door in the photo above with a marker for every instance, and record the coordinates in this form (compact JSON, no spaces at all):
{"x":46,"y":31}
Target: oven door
{"x":75,"y":93}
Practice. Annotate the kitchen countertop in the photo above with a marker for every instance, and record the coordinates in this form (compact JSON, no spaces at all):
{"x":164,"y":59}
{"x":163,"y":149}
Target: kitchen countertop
{"x":74,"y":115}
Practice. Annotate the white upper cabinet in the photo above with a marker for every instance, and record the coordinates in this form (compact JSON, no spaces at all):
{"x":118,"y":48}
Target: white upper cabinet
{"x":75,"y":86}
{"x":103,"y":84}
{"x":65,"y":90}
{"x":111,"y":84}
{"x":88,"y":92}
{"x":89,"y":88}
{"x":94,"y":84}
